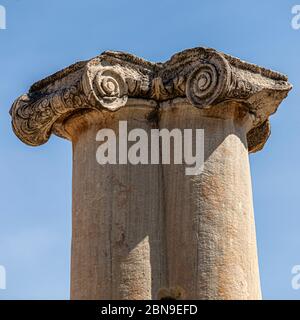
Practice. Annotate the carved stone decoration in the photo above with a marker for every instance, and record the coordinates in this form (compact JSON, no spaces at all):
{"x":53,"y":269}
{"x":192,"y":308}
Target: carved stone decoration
{"x":203,"y":76}
{"x":105,"y":86}
{"x":208,"y":82}
{"x":34,"y":118}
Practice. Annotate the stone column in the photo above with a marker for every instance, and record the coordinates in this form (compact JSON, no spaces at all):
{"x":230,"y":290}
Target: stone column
{"x":150,"y":231}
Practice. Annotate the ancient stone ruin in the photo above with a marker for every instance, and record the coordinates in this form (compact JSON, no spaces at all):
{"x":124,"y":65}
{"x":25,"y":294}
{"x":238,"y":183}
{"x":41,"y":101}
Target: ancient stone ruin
{"x":151,"y":231}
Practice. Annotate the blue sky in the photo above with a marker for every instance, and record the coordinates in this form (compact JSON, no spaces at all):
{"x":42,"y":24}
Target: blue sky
{"x":43,"y":37}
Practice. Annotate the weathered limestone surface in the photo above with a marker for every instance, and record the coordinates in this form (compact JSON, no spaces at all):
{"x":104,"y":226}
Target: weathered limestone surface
{"x":150,"y":231}
{"x":210,"y":224}
{"x":118,"y":216}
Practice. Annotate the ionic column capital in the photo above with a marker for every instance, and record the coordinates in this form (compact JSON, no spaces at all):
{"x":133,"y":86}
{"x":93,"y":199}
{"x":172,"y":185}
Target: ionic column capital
{"x":204,"y":77}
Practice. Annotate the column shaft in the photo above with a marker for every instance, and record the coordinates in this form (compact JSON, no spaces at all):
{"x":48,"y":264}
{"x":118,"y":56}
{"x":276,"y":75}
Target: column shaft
{"x":117,"y":248}
{"x":211,"y":242}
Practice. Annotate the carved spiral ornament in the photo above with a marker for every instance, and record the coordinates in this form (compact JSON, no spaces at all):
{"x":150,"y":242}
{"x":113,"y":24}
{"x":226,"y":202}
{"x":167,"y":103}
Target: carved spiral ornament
{"x":108,"y":87}
{"x":208,"y":82}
